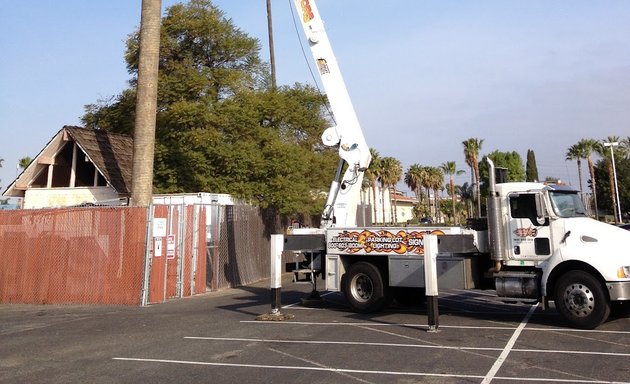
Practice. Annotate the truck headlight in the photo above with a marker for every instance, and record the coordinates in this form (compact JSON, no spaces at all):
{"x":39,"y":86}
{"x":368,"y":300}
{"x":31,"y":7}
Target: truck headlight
{"x":623,"y":272}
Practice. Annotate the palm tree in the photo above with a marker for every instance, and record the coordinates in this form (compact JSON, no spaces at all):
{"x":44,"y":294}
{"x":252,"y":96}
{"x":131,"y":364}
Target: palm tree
{"x":413,"y":178}
{"x":425,"y":181}
{"x":391,"y":173}
{"x":577,"y":152}
{"x":372,"y":175}
{"x":435,"y":180}
{"x":467,"y":193}
{"x":146,"y":103}
{"x":590,"y":146}
{"x":472,"y":147}
{"x":382,"y":178}
{"x":394,"y":177}
{"x":450,"y":169}
{"x":24,"y":162}
{"x":416,"y":180}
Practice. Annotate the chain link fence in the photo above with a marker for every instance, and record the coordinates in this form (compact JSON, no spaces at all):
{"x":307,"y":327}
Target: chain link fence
{"x":242,"y":251}
{"x":72,"y":255}
{"x":133,"y":256}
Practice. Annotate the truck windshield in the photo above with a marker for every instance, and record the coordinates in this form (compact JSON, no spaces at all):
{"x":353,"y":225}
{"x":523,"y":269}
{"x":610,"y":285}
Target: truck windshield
{"x":567,"y":204}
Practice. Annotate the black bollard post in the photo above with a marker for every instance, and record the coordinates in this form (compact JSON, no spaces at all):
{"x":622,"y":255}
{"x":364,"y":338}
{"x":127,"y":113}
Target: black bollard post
{"x":430,"y":280}
{"x":277,"y":245}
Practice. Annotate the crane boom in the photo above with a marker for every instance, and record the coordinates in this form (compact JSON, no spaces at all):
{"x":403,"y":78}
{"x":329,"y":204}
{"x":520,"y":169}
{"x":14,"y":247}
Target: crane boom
{"x":346,"y":135}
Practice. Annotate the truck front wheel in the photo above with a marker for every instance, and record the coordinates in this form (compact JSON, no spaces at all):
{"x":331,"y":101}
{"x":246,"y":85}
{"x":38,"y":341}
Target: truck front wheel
{"x":364,"y":288}
{"x":581,"y":300}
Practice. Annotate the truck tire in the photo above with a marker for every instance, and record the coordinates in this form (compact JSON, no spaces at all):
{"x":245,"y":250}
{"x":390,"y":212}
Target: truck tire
{"x":364,"y":289}
{"x":581,"y":300}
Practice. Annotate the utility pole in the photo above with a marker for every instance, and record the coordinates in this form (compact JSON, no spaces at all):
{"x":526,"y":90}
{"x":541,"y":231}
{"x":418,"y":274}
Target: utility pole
{"x":272,"y":56}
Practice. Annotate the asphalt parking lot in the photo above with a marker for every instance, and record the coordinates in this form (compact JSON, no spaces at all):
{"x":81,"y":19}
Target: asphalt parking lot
{"x":216,"y":338}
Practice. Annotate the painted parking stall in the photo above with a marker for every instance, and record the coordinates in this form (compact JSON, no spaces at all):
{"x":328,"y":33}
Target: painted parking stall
{"x":505,"y":345}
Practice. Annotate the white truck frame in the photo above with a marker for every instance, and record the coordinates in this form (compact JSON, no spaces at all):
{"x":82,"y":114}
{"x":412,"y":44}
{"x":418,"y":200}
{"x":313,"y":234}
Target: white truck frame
{"x":536,"y":245}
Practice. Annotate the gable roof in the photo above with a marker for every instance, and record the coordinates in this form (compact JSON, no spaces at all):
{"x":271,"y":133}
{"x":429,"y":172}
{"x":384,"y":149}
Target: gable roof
{"x":111,"y":154}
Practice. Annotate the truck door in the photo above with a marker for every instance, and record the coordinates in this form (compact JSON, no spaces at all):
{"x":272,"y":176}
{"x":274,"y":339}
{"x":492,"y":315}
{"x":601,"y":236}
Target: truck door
{"x":528,"y":235}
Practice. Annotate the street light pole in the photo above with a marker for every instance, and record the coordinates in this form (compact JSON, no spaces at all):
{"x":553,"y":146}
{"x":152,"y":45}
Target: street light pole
{"x":612,"y":157}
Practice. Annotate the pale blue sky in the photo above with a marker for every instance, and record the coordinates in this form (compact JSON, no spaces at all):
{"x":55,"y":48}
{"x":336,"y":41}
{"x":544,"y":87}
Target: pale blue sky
{"x":423,"y":75}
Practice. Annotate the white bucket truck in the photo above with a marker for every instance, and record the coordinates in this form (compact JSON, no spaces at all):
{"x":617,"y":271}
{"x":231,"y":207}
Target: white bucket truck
{"x":537,"y":244}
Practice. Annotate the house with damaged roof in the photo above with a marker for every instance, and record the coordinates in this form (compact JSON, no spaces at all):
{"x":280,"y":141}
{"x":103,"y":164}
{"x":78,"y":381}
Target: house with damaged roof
{"x":78,"y":166}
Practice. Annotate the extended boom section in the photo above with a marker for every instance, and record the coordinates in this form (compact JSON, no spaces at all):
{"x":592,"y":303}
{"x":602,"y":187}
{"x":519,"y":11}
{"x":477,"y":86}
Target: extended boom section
{"x":346,"y":135}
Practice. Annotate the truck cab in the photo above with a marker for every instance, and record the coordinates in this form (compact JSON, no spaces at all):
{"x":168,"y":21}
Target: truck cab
{"x":547,"y":247}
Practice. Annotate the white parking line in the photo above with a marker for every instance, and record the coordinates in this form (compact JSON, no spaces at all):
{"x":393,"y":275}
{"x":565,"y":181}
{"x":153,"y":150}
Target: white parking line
{"x":354,"y":371}
{"x":506,"y":351}
{"x":399,"y":345}
{"x":412,"y":325}
{"x":365,"y":323}
{"x":360,"y":343}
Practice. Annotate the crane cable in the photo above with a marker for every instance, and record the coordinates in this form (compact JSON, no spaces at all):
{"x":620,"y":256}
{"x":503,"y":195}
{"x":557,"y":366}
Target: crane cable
{"x":308,"y":64}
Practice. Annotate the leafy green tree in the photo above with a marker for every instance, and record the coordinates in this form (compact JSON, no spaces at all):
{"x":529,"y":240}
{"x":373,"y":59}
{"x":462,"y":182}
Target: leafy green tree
{"x":220,"y":127}
{"x":605,"y":189}
{"x":625,"y":144}
{"x":606,"y":154}
{"x":472,"y":147}
{"x":531,"y":170}
{"x":449,"y":168}
{"x":447,"y":210}
{"x":510,"y":160}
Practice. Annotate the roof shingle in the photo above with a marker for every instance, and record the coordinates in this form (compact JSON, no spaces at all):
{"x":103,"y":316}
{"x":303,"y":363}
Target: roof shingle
{"x":111,"y":154}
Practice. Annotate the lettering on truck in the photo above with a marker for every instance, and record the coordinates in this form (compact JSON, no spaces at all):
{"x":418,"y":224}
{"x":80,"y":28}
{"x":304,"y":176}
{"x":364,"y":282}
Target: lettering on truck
{"x":380,"y":241}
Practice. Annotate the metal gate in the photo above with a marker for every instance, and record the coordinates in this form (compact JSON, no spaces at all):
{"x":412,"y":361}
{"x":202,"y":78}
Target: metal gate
{"x":175,"y":259}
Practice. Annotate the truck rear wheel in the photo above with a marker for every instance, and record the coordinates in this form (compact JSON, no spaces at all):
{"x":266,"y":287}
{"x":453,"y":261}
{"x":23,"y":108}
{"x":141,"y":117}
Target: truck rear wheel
{"x":581,"y":300}
{"x":364,"y":288}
